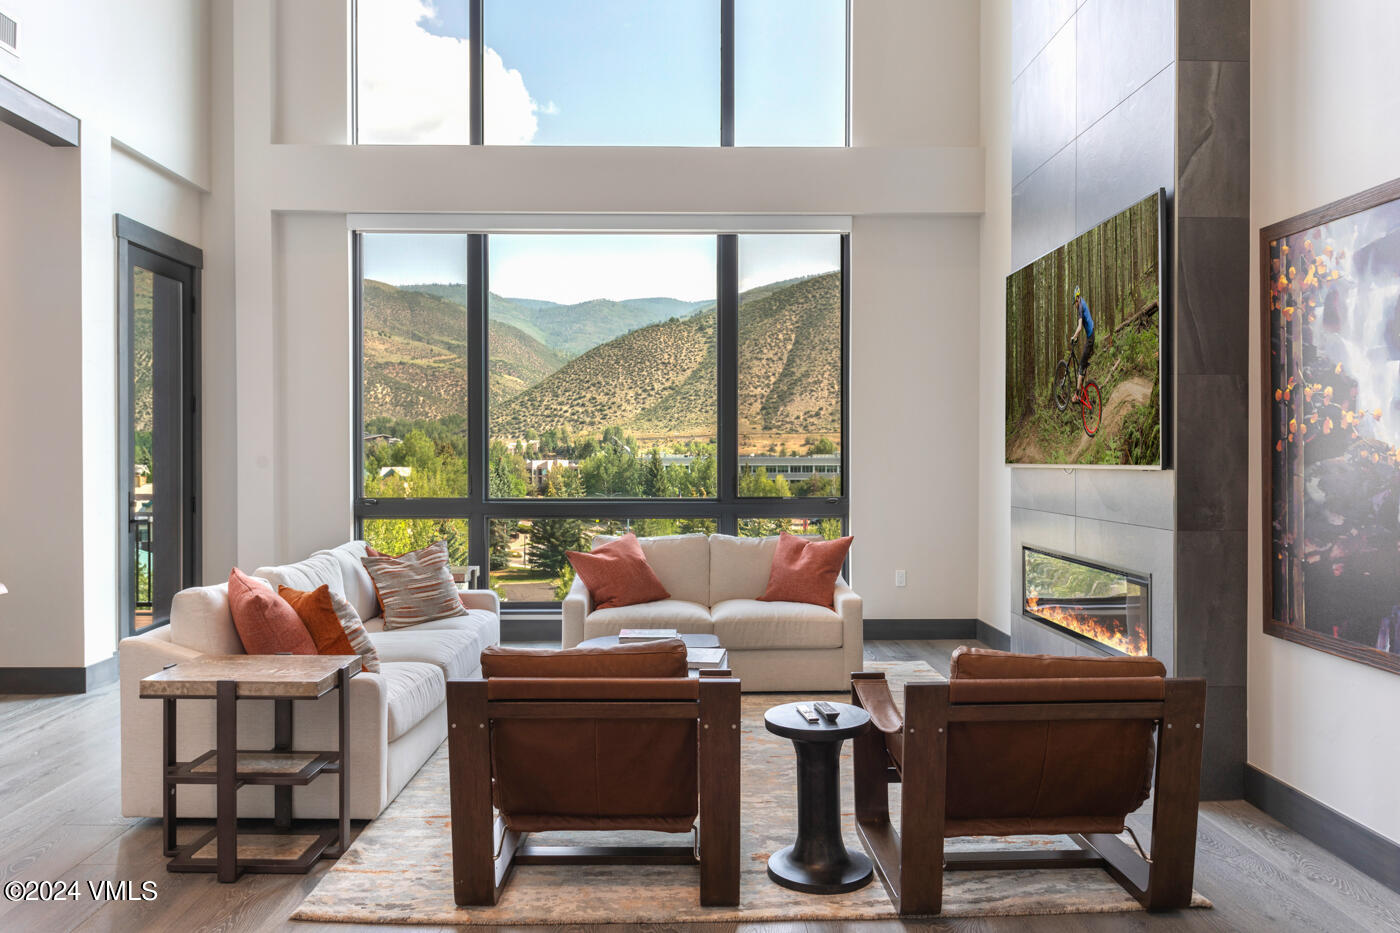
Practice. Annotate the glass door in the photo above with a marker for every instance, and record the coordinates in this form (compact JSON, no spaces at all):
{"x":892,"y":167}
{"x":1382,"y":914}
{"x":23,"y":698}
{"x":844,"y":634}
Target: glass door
{"x":157,"y":407}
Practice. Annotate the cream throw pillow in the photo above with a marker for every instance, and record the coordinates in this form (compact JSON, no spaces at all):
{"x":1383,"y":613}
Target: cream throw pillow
{"x":355,"y":632}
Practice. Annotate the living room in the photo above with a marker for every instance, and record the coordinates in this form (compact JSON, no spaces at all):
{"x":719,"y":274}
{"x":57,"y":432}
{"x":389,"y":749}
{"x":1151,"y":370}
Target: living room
{"x":717,"y":367}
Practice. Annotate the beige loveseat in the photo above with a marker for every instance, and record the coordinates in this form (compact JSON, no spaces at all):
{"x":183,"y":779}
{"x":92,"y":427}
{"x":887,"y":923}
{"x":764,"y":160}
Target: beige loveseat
{"x":714,"y":582}
{"x":398,"y":717}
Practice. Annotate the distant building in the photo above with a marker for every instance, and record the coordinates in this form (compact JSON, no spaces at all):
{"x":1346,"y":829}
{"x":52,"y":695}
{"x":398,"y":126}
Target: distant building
{"x":792,"y":468}
{"x":402,"y":472}
{"x":382,"y":439}
{"x":539,"y":469}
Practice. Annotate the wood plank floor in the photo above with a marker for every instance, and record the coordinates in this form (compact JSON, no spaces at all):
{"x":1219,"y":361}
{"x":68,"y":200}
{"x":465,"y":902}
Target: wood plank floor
{"x":60,"y":819}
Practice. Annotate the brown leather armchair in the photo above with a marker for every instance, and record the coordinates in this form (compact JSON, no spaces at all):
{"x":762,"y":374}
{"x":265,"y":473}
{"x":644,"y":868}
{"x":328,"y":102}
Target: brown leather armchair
{"x":614,"y":738}
{"x":1032,"y":744}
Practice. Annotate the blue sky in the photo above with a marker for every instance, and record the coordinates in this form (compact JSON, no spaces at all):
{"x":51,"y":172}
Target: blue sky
{"x":646,"y":72}
{"x":570,"y":268}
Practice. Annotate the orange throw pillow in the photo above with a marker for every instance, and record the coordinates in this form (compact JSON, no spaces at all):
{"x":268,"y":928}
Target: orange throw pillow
{"x":266,"y":623}
{"x":317,"y":613}
{"x":617,"y":574}
{"x":806,"y":571}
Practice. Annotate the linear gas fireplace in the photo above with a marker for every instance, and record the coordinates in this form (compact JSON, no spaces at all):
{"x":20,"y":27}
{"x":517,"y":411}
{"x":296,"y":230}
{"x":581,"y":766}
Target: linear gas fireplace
{"x":1104,"y":606}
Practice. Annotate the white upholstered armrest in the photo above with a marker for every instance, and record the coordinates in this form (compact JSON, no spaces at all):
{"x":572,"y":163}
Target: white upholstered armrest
{"x":577,"y":606}
{"x":481,"y":599}
{"x":850,"y":608}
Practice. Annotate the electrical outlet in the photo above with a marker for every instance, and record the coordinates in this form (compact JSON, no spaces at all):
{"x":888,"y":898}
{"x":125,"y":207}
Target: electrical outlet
{"x":899,"y":578}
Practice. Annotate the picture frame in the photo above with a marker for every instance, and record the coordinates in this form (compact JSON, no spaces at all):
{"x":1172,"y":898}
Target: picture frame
{"x":1329,"y":402}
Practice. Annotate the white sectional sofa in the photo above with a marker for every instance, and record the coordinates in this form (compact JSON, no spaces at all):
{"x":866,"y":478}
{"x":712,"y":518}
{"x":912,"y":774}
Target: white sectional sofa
{"x":398,"y":716}
{"x":714,"y":582}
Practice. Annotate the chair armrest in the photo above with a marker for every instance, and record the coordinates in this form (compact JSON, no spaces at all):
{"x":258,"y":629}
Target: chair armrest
{"x":481,"y":599}
{"x":873,"y":694}
{"x":577,"y":605}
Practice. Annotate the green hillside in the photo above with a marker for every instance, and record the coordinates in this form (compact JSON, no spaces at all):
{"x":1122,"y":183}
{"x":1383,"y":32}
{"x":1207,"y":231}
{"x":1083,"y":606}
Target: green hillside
{"x":574,"y":328}
{"x":661,"y":378}
{"x":415,"y":355}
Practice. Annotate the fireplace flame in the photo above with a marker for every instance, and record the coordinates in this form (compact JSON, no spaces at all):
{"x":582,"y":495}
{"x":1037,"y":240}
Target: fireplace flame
{"x":1133,"y":643}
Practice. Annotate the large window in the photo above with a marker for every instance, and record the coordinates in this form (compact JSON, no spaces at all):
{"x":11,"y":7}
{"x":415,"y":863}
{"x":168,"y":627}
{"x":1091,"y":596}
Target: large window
{"x":601,"y":72}
{"x":523,"y":392}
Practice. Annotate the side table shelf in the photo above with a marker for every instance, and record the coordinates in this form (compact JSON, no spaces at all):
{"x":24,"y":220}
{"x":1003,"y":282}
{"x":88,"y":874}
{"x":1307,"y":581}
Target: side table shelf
{"x":236,"y":846}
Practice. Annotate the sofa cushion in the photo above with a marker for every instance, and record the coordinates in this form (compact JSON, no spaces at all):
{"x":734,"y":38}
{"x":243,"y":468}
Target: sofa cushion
{"x":617,"y":574}
{"x":317,"y":613}
{"x":455,"y":651}
{"x":806,"y":571}
{"x":359,"y":589}
{"x":305,"y":575}
{"x":739,"y":567}
{"x":752,"y":623}
{"x":681,"y":562}
{"x":266,"y":623}
{"x":685,"y":617}
{"x":412,"y":690}
{"x":415,"y":587}
{"x":200,"y":620}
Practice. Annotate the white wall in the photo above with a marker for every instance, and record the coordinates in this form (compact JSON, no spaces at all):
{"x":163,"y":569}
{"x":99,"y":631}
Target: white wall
{"x":1319,"y":723}
{"x":134,"y":75}
{"x":914,"y":424}
{"x":41,"y":508}
{"x":994,"y":490}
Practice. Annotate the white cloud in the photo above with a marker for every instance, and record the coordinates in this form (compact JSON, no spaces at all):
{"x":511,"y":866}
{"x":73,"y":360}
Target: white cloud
{"x":510,"y":110}
{"x":413,"y":84}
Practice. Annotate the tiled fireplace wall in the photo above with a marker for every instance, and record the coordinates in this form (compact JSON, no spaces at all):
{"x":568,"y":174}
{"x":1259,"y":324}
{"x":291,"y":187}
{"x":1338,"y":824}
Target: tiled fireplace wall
{"x":1112,"y":100}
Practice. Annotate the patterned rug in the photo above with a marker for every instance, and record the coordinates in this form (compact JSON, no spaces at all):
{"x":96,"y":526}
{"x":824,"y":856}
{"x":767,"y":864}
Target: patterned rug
{"x":399,"y":869}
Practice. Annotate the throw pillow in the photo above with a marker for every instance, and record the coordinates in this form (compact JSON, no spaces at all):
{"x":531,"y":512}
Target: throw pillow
{"x":266,"y":623}
{"x":617,"y":574}
{"x":318,"y":615}
{"x":416,"y":587}
{"x":806,"y":571}
{"x":355,"y":633}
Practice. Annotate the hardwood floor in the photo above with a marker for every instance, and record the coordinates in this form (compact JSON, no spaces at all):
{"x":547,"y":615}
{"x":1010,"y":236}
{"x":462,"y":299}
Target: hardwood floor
{"x":60,"y":821}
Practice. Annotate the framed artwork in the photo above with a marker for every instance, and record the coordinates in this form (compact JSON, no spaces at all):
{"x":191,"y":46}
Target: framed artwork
{"x":1085,"y":345}
{"x":1330,"y":365}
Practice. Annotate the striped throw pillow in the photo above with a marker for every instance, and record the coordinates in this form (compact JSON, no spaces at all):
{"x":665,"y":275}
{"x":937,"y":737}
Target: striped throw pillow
{"x":355,"y":632}
{"x":415,"y":587}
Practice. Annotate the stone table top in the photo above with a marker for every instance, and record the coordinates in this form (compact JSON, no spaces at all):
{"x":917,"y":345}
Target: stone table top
{"x":269,"y":676}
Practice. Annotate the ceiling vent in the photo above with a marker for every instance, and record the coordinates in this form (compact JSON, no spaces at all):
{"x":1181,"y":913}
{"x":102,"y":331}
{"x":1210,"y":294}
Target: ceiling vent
{"x":9,"y":34}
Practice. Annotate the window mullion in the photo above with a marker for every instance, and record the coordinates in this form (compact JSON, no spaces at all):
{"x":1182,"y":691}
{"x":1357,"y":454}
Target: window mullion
{"x":477,"y":64}
{"x":727,"y":367}
{"x":726,"y":72}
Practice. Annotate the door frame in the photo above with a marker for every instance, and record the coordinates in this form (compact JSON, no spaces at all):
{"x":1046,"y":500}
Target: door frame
{"x":133,"y":237}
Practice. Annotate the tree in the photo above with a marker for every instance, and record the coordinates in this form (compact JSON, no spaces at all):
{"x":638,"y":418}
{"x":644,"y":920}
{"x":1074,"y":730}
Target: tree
{"x":502,"y":531}
{"x":550,"y":540}
{"x":655,"y":482}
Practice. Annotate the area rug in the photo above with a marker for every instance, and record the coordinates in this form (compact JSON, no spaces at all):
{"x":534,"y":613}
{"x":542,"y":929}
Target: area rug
{"x":399,"y":869}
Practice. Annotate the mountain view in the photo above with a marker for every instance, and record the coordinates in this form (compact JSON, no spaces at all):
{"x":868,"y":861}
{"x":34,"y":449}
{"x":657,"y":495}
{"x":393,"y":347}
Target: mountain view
{"x":644,"y":366}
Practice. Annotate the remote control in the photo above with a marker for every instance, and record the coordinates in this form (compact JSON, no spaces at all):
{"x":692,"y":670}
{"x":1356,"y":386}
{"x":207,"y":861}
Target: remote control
{"x":807,"y":713}
{"x":827,"y":711}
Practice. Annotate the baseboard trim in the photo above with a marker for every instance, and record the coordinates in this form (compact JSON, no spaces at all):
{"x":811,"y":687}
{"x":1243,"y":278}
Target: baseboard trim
{"x":551,"y":630}
{"x":1363,"y":848}
{"x":993,"y":637}
{"x":54,"y":681}
{"x":919,"y":629}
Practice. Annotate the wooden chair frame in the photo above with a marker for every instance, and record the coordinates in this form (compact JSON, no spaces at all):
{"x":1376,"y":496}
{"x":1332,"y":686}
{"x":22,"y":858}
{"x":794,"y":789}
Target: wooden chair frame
{"x":913,"y":866}
{"x":484,"y":851}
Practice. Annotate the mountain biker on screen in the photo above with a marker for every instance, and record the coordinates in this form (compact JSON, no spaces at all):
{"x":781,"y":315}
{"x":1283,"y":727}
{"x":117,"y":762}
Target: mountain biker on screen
{"x":1085,"y":322}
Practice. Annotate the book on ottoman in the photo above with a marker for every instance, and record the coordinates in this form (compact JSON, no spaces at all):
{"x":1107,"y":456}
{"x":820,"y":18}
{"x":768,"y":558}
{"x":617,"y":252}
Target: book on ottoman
{"x":632,"y":635}
{"x":705,"y":659}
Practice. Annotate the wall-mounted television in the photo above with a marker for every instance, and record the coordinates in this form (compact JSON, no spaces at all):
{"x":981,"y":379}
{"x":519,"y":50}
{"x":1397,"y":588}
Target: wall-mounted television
{"x":1087,"y":345}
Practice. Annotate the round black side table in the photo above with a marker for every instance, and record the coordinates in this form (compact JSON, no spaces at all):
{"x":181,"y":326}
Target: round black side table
{"x":818,"y":862}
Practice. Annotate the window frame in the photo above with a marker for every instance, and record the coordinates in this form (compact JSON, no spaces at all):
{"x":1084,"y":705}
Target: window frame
{"x":479,"y":509}
{"x":477,"y":91}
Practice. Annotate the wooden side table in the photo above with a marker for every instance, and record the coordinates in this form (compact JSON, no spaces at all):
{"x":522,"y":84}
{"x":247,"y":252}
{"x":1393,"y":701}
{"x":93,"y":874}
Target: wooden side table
{"x":226,"y":679}
{"x":818,"y":862}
